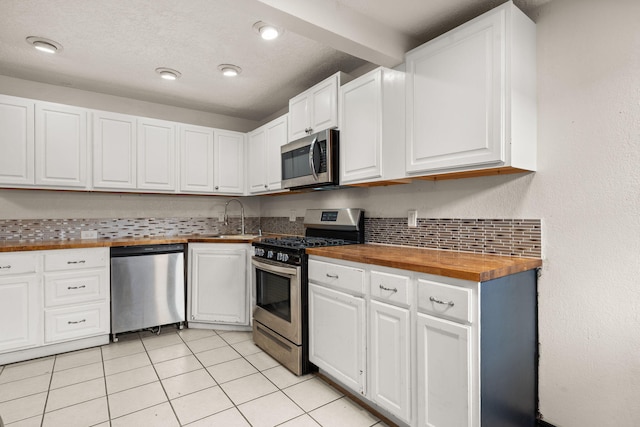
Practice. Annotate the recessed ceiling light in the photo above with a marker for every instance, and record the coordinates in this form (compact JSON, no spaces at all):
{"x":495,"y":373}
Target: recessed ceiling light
{"x":168,"y":73}
{"x":229,"y":70}
{"x":44,"y":45}
{"x":267,"y":31}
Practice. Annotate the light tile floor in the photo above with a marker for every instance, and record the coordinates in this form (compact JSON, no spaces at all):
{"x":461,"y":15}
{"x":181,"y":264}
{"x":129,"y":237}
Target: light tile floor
{"x":192,"y":377}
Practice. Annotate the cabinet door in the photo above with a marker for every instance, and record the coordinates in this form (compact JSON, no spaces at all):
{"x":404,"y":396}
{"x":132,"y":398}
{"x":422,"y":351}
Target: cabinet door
{"x":455,"y":96}
{"x":16,"y":141}
{"x":114,"y":151}
{"x":444,"y":373}
{"x":61,"y":146}
{"x":276,"y":138}
{"x":156,"y":155}
{"x":299,"y":116}
{"x":20,"y":308}
{"x":256,"y":151}
{"x":324,"y":105}
{"x":360,"y":131}
{"x":196,"y":159}
{"x":390,"y":358}
{"x":337,"y":335}
{"x":218,"y":285}
{"x":228,"y":161}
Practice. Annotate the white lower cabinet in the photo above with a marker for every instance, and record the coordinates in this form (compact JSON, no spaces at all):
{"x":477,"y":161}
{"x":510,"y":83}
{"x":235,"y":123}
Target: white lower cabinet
{"x":337,"y":339}
{"x":390,"y":355}
{"x":20,"y":312}
{"x":218,"y":284}
{"x":52,"y":302}
{"x":444,"y":373}
{"x":432,"y":351}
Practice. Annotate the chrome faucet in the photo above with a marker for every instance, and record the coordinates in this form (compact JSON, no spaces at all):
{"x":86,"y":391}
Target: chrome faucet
{"x":226,"y":217}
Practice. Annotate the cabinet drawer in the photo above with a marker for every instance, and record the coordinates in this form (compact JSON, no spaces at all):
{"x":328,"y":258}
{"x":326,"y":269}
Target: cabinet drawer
{"x":390,"y":287}
{"x":76,"y":287}
{"x":443,"y":300}
{"x":18,"y":264}
{"x":64,"y":324}
{"x":75,"y":259}
{"x":340,"y":276}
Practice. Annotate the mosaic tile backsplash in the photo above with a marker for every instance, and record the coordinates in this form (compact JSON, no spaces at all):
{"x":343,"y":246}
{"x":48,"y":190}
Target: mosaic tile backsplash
{"x":514,"y":237}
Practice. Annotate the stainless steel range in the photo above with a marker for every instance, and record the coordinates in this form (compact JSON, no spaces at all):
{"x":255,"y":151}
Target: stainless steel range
{"x":281,"y":282}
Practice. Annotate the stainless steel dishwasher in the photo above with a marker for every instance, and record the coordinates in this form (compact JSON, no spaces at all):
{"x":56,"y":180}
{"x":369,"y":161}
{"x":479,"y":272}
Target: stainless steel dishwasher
{"x":147,"y":287}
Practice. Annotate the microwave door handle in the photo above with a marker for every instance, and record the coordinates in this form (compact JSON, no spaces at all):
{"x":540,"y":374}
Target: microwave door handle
{"x":312,"y":165}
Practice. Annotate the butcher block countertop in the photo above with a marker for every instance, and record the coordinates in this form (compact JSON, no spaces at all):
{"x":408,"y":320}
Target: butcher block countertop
{"x":43,"y":245}
{"x":460,"y":265}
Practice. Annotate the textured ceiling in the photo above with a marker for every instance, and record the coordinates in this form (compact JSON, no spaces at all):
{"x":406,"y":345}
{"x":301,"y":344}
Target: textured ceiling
{"x":114,"y":47}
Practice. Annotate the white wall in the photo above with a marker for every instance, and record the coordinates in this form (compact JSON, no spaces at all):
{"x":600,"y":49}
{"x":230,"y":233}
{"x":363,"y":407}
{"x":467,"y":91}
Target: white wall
{"x":587,"y":193}
{"x":36,"y":204}
{"x":100,"y":101}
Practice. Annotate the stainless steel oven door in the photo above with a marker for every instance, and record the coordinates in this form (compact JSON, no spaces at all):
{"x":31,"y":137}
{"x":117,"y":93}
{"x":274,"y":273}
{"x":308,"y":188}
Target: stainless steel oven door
{"x":278,"y":294}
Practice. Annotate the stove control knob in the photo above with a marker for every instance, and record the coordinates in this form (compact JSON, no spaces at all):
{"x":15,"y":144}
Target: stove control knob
{"x":270,"y":254}
{"x":259,"y":252}
{"x":284,"y":258}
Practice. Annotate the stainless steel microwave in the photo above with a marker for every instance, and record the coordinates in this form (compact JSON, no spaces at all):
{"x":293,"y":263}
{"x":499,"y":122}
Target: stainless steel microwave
{"x":311,"y":161}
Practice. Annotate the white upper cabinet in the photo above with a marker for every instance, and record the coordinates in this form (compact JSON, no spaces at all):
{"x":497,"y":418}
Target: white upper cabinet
{"x":372,"y":127}
{"x":315,"y":109}
{"x":16,"y":141}
{"x":256,"y":164}
{"x":471,"y":96}
{"x":156,"y":155}
{"x":114,"y":151}
{"x":61,"y":146}
{"x":263,"y":156}
{"x":196,"y":159}
{"x":228,"y":158}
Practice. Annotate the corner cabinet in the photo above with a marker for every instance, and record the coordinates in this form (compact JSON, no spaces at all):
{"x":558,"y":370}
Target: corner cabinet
{"x":372,"y":127}
{"x":218,"y":285}
{"x":16,"y":141}
{"x":264,"y":164}
{"x":471,"y":97}
{"x":427,"y":350}
{"x":315,"y":109}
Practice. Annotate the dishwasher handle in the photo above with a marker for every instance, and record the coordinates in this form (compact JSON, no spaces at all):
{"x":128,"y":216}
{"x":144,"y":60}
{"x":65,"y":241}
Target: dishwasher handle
{"x":140,"y":250}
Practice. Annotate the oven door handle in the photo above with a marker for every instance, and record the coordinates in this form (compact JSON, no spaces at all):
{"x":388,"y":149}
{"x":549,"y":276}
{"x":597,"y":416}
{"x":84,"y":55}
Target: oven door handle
{"x":288,"y":271}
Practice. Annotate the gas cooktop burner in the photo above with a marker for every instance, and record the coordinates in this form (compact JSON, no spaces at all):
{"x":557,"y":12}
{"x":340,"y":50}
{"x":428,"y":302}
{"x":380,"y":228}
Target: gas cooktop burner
{"x":303,"y":242}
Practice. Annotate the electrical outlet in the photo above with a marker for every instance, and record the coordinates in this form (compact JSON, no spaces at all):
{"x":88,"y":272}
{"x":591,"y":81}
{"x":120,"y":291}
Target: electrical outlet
{"x":412,"y":218}
{"x":292,"y":215}
{"x":89,"y":234}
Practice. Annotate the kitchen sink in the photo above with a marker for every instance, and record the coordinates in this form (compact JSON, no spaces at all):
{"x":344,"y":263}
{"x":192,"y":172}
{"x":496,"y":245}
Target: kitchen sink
{"x":228,"y":236}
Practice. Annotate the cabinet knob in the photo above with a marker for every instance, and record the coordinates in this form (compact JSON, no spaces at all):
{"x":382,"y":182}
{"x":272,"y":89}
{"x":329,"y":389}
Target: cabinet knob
{"x":217,"y":187}
{"x":266,"y":186}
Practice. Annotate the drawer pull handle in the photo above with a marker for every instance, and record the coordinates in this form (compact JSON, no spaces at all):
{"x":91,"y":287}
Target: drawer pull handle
{"x":72,"y":322}
{"x":332,"y":276}
{"x":5,"y":267}
{"x":76,"y":262}
{"x":438,"y":301}
{"x":388,"y":289}
{"x":76,"y":287}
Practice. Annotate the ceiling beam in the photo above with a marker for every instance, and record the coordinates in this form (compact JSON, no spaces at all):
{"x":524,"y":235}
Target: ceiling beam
{"x":333,"y":24}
